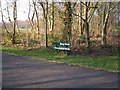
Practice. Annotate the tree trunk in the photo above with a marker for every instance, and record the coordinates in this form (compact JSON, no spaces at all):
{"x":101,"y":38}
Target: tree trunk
{"x":67,"y":22}
{"x":14,"y":23}
{"x":104,"y":31}
{"x":52,"y":16}
{"x":86,"y":24}
{"x":45,"y":12}
{"x":105,"y":18}
{"x":52,"y":19}
{"x":87,"y":35}
{"x":37,"y":16}
{"x":81,"y":24}
{"x":46,"y":25}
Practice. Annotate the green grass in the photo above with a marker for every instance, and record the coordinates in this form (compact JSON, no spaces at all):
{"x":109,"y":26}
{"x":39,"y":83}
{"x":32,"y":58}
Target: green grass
{"x":100,"y":62}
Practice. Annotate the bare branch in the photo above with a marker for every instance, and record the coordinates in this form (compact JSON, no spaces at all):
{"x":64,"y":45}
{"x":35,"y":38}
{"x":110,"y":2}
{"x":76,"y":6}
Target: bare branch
{"x":90,"y":16}
{"x":4,"y":22}
{"x":79,"y":16}
{"x":83,"y":3}
{"x":8,"y":13}
{"x":113,"y":6}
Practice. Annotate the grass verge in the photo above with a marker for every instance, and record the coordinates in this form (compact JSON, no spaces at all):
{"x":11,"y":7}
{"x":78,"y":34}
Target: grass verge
{"x":109,"y":63}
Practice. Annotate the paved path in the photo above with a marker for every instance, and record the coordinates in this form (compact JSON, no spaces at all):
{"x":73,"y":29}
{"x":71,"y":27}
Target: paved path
{"x":24,"y":72}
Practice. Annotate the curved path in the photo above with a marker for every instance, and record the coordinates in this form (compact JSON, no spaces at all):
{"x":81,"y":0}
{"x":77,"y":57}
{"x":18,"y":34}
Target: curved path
{"x":24,"y":72}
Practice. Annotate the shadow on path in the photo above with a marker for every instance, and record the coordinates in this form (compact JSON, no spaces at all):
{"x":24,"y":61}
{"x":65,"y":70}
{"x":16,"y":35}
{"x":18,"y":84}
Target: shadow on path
{"x":24,"y":72}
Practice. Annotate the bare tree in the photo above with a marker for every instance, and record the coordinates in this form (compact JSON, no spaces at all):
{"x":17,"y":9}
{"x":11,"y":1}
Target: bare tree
{"x":67,"y":22}
{"x":4,"y":24}
{"x":14,"y":22}
{"x":37,"y":15}
{"x":80,"y":21}
{"x":31,"y":20}
{"x":107,"y":8}
{"x":8,"y":12}
{"x":89,"y":10}
{"x":52,"y":16}
{"x":44,"y":6}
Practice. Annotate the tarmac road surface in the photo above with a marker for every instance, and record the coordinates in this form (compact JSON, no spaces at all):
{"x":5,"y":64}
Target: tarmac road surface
{"x":25,"y":72}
